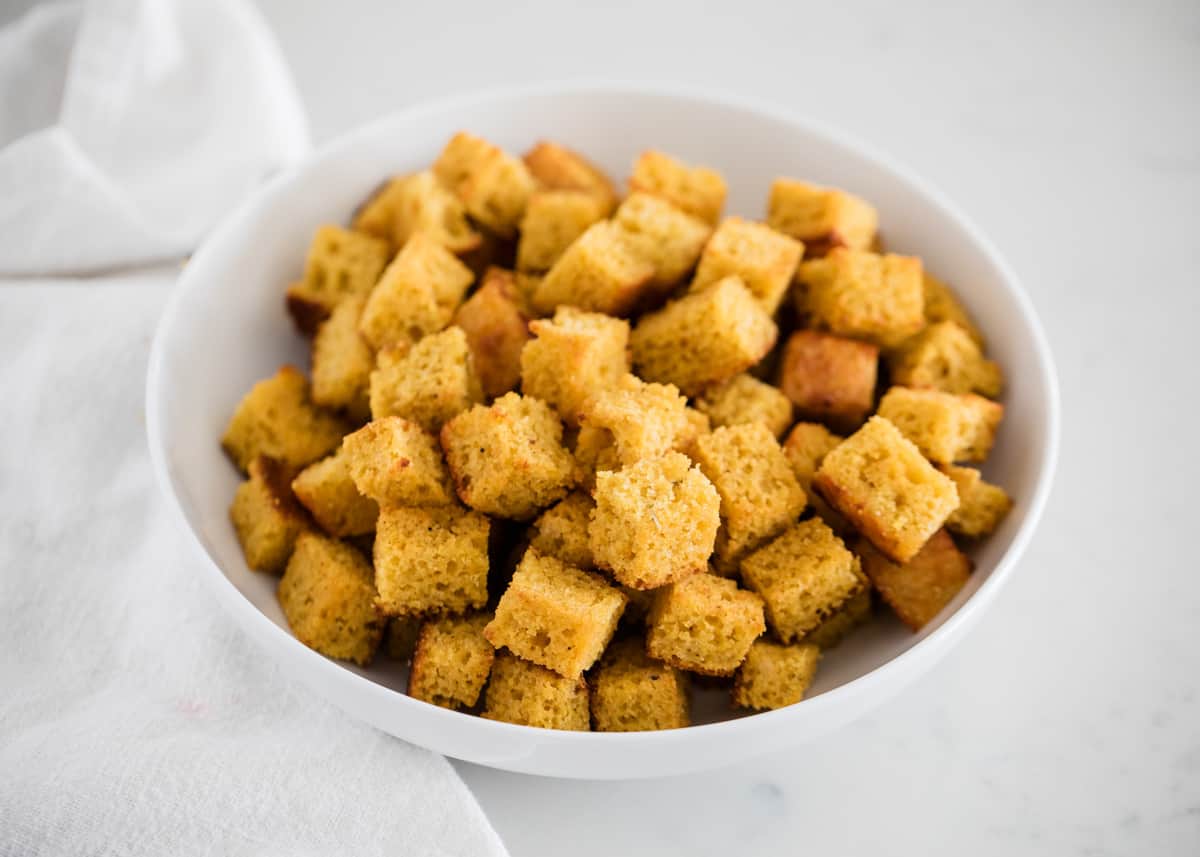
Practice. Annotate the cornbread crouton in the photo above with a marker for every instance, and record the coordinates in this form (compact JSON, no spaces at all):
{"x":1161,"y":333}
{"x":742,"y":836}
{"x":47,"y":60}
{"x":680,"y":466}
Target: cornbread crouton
{"x":497,"y":328}
{"x":699,"y":191}
{"x":919,"y":589}
{"x":823,"y":218}
{"x":431,"y":559}
{"x":829,"y":378}
{"x":340,"y":263}
{"x":433,"y":382}
{"x":451,"y":661}
{"x":560,"y":168}
{"x":529,"y":695}
{"x":864,"y":295}
{"x":327,"y":490}
{"x":704,"y":624}
{"x":804,"y":576}
{"x":493,"y":185}
{"x":774,"y":676}
{"x":663,"y":235}
{"x":376,"y":216}
{"x":941,"y":304}
{"x":766,"y":260}
{"x":703,"y":338}
{"x":878,"y":479}
{"x":397,"y":463}
{"x":416,"y":294}
{"x":508,"y":459}
{"x":573,"y":356}
{"x":745,"y":399}
{"x":634,"y":693}
{"x":266,"y":517}
{"x":594,"y":450}
{"x":562,"y":530}
{"x":643,"y":420}
{"x":696,"y":425}
{"x":982,"y":505}
{"x":400,"y":638}
{"x":837,"y":626}
{"x":342,"y":361}
{"x":944,"y":357}
{"x":553,"y":220}
{"x":424,"y":206}
{"x":600,"y":271}
{"x":329,"y":600}
{"x":805,"y":449}
{"x":759,"y":493}
{"x":945,"y":427}
{"x":278,"y":419}
{"x":655,"y":521}
{"x":555,"y":615}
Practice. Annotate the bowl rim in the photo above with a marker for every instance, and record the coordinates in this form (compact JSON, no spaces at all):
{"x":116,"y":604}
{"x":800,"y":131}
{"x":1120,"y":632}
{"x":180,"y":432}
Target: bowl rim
{"x":328,"y":671}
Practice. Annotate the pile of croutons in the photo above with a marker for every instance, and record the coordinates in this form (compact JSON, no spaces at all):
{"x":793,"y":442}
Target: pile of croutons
{"x":549,"y":449}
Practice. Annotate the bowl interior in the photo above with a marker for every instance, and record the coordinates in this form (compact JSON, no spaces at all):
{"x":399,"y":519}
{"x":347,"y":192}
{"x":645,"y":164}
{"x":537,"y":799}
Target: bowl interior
{"x":227,"y":327}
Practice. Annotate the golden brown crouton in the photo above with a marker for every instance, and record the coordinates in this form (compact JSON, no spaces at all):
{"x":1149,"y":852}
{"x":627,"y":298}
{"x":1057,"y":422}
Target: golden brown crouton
{"x":493,"y":185}
{"x":864,"y":295}
{"x":342,"y":361}
{"x":433,"y":382}
{"x":266,"y":517}
{"x":600,"y":272}
{"x":529,"y":695}
{"x":431,"y":559}
{"x":553,"y":220}
{"x":919,"y":589}
{"x":376,"y":216}
{"x":560,"y":168}
{"x":829,"y":378}
{"x":805,"y":449}
{"x":643,"y":420}
{"x":941,"y":304}
{"x":946,"y":428}
{"x":982,"y":505}
{"x":823,"y":218}
{"x":451,"y":661}
{"x":848,"y":618}
{"x":327,"y":490}
{"x":424,"y":206}
{"x":497,"y":328}
{"x":631,"y":692}
{"x":944,"y":357}
{"x":396,"y":462}
{"x":340,"y":263}
{"x":562,"y":530}
{"x":766,"y":260}
{"x":699,"y":191}
{"x":774,"y":676}
{"x":572,"y":357}
{"x":666,"y":237}
{"x":704,"y":624}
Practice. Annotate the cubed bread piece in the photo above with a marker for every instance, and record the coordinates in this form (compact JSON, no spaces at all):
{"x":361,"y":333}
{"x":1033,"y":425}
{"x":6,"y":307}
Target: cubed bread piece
{"x":919,"y":589}
{"x":594,"y":449}
{"x":982,"y":505}
{"x":864,"y":295}
{"x":431,"y":559}
{"x":266,"y":517}
{"x":493,"y":185}
{"x":376,"y":215}
{"x":278,"y":419}
{"x":945,"y":427}
{"x":941,"y":304}
{"x":704,"y":624}
{"x":400,"y":638}
{"x":553,"y":220}
{"x":433,"y":382}
{"x":416,"y":294}
{"x":497,"y":328}
{"x":703,"y":338}
{"x":572,"y":357}
{"x":944,"y":357}
{"x":696,"y":425}
{"x":451,"y":661}
{"x":655,"y":521}
{"x":342,"y":360}
{"x":529,"y":695}
{"x":804,"y":576}
{"x":562,"y":530}
{"x":745,"y":399}
{"x":556,"y":615}
{"x":508,"y":459}
{"x":830,"y":378}
{"x":632,"y":692}
{"x":328,"y":492}
{"x":340,"y":263}
{"x":424,"y":206}
{"x":600,"y":271}
{"x":329,"y":599}
{"x":663,"y":235}
{"x":560,"y":168}
{"x":774,"y":676}
{"x":848,"y":618}
{"x":823,"y":218}
{"x":806,"y":447}
{"x":766,"y":260}
{"x":397,"y":463}
{"x":643,"y":420}
{"x":878,"y":479}
{"x":759,"y":493}
{"x":700,"y":191}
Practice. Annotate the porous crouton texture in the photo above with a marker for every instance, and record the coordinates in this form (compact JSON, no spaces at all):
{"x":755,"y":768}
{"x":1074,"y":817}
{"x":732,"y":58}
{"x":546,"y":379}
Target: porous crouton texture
{"x":556,"y":166}
{"x":643,"y":420}
{"x":881,"y":483}
{"x":562,"y":530}
{"x":497,"y":328}
{"x":451,"y":661}
{"x":830,"y":378}
{"x":703,"y":338}
{"x":941,"y":304}
{"x":433,"y":382}
{"x":553,"y":220}
{"x":340,"y":264}
{"x":919,"y":589}
{"x":864,"y":295}
{"x":945,"y":427}
{"x":266,"y":517}
{"x":329,"y":599}
{"x":431,"y":559}
{"x":745,"y":399}
{"x":664,"y":236}
{"x":424,"y":206}
{"x":556,"y":615}
{"x":704,"y":624}
{"x":328,"y":492}
{"x":804,"y":576}
{"x":278,"y":419}
{"x":632,"y":692}
{"x":594,"y":450}
{"x":847,"y":619}
{"x":806,"y":447}
{"x":765,"y":260}
{"x":700,"y":191}
{"x":655,"y":521}
{"x":600,"y":272}
{"x":774,"y":676}
{"x":944,"y":357}
{"x":530,"y":695}
{"x":376,"y":215}
{"x":493,"y":185}
{"x":823,"y":218}
{"x":572,"y":357}
{"x":396,"y":462}
{"x":982,"y":505}
{"x":342,"y":361}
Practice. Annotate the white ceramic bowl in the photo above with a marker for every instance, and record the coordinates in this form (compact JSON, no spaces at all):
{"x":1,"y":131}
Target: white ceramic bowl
{"x":225,"y":328}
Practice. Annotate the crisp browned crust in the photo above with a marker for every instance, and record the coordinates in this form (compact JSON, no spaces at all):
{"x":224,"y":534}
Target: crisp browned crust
{"x":840,"y":500}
